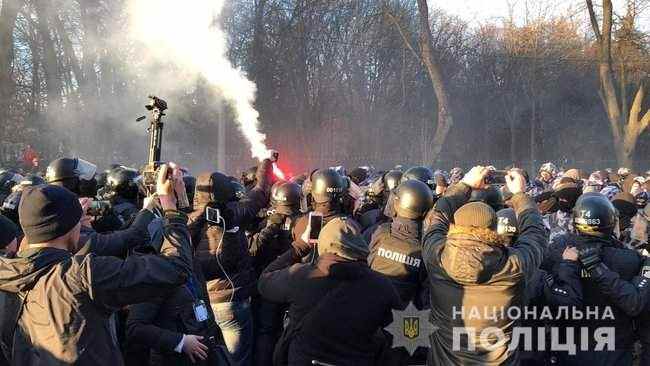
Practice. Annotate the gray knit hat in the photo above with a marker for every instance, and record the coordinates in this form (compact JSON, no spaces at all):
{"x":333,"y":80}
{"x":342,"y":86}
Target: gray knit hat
{"x":476,"y":214}
{"x":343,"y":237}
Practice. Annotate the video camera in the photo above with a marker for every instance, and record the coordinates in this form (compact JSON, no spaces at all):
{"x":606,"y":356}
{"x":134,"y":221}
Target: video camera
{"x":157,"y":106}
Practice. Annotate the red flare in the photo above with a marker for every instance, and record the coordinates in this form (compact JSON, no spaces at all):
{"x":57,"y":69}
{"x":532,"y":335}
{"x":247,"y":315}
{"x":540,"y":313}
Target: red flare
{"x":278,"y":173}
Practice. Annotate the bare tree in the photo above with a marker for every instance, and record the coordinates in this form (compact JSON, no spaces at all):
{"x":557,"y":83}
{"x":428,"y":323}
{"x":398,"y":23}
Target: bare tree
{"x":625,"y":131}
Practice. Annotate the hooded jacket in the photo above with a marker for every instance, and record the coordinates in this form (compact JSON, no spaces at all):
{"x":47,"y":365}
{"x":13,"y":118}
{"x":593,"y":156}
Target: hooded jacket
{"x":229,"y":247}
{"x":471,"y":271}
{"x":68,"y":298}
{"x":342,"y":328}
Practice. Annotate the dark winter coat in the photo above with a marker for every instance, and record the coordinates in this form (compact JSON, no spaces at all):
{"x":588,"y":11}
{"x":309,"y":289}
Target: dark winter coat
{"x":231,"y":246}
{"x":472,"y":270}
{"x":70,"y":297}
{"x":343,"y":331}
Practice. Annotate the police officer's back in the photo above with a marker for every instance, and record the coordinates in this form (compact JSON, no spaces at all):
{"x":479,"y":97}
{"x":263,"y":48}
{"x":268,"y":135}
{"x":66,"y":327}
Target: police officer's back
{"x":395,"y":248}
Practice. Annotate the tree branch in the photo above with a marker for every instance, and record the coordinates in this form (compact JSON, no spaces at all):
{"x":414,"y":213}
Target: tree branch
{"x":402,"y":34}
{"x":594,"y":21}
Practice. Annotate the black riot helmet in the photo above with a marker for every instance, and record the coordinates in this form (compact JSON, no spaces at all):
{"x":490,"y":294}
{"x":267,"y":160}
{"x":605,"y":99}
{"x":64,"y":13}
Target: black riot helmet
{"x":286,"y":198}
{"x":8,"y":180}
{"x":421,"y":173}
{"x":594,"y":215}
{"x":507,"y":224}
{"x":327,"y":185}
{"x":75,"y":174}
{"x":359,"y":175}
{"x":491,"y":196}
{"x":392,"y":179}
{"x":10,"y":206}
{"x":122,"y":182}
{"x":413,"y":199}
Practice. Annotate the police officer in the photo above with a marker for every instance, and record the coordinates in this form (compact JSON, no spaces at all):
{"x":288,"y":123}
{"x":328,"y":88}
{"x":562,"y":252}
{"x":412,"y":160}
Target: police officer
{"x":371,"y":212}
{"x":395,"y":247}
{"x":610,"y":280}
{"x":122,"y":191}
{"x":271,"y":242}
{"x":421,"y":173}
{"x":77,"y":175}
{"x":327,"y":192}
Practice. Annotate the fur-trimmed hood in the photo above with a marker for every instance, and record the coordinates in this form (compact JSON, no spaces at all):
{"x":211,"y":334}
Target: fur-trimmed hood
{"x":472,"y":255}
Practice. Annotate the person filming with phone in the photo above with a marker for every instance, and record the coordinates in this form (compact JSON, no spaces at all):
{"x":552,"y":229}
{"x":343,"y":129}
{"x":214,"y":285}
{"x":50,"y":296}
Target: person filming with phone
{"x":217,"y":226}
{"x":471,"y":268}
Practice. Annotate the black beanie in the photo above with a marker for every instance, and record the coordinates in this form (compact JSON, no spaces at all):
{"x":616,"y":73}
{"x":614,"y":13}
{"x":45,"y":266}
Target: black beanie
{"x":48,"y":212}
{"x":8,"y":231}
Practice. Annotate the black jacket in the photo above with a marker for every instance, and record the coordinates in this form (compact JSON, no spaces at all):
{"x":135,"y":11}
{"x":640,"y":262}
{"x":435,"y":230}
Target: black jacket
{"x":615,"y":284}
{"x":70,"y":297}
{"x":231,"y":246}
{"x":396,"y":252}
{"x":118,"y":243}
{"x":160,"y":324}
{"x":471,"y":269}
{"x":342,"y":331}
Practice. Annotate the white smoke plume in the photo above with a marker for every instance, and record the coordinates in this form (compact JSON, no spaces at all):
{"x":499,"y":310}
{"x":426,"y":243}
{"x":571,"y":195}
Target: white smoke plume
{"x":187,"y":33}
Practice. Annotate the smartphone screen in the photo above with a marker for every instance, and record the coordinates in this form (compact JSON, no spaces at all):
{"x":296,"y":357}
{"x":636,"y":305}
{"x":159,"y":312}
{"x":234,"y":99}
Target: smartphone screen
{"x":212,"y":215}
{"x":315,"y":224}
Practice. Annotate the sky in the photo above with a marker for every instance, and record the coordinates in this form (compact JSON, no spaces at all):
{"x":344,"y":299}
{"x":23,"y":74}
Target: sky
{"x":480,"y":11}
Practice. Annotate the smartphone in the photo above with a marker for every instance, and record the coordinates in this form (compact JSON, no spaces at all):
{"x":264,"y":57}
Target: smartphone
{"x":213,"y":215}
{"x":496,"y":177}
{"x":315,"y":225}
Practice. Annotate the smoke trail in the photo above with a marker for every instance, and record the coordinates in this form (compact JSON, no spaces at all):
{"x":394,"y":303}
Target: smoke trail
{"x":187,"y":33}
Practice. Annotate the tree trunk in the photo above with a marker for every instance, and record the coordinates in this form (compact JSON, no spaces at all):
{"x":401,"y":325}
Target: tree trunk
{"x":445,"y":117}
{"x":8,"y":14}
{"x":50,"y":61}
{"x":625,"y":131}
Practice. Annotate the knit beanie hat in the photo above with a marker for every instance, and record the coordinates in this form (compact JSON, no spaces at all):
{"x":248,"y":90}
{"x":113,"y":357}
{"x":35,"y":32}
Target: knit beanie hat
{"x":342,"y":237}
{"x":8,"y":231}
{"x":48,"y":212}
{"x":476,"y":214}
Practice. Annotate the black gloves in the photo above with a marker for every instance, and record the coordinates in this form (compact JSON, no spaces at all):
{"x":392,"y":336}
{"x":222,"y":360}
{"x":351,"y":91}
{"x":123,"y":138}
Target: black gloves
{"x":589,"y":257}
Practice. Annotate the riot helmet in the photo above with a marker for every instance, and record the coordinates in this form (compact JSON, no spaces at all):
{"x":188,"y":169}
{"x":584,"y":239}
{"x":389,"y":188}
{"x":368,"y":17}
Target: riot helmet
{"x":392,"y":179}
{"x":490,"y":195}
{"x":507,"y":224}
{"x":421,"y":173}
{"x":286,"y":198}
{"x":327,"y":186}
{"x":412,"y":199}
{"x":122,"y":182}
{"x":594,"y":215}
{"x":75,"y":174}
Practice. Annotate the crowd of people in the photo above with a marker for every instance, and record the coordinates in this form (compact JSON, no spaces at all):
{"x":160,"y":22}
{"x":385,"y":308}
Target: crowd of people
{"x":110,"y":268}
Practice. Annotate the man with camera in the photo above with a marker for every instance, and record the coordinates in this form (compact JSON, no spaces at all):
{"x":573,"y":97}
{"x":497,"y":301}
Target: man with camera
{"x":471,"y":270}
{"x":65,"y":297}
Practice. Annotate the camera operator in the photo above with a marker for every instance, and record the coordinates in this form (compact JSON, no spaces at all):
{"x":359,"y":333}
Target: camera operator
{"x":471,"y":268}
{"x":223,"y":237}
{"x":69,"y":296}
